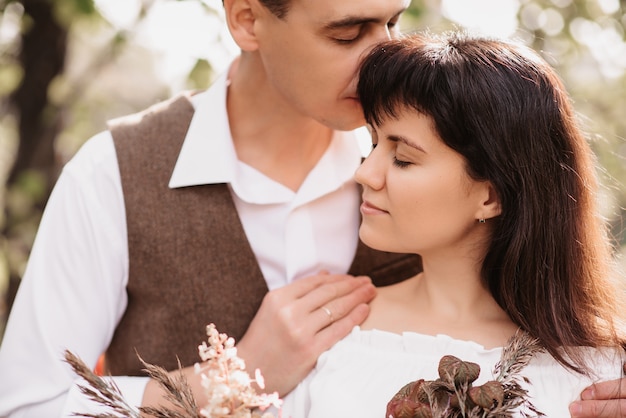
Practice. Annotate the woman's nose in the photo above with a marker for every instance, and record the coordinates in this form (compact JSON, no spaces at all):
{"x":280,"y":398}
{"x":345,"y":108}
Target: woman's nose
{"x":370,"y":172}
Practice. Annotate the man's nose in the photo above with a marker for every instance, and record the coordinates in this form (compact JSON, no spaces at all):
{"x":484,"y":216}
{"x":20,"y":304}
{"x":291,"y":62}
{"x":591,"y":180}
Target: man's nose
{"x":385,"y":34}
{"x":381,"y":34}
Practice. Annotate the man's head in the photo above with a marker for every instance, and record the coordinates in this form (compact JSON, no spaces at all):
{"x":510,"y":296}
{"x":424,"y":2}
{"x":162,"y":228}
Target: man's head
{"x":305,"y":53}
{"x":278,"y":7}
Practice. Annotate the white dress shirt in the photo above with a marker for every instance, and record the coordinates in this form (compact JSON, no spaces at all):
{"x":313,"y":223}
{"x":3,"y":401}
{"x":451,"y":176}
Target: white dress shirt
{"x":73,"y":293}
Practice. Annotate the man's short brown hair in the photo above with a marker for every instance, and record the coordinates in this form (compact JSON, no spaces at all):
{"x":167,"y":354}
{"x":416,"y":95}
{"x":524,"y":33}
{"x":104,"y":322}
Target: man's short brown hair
{"x":278,"y":7}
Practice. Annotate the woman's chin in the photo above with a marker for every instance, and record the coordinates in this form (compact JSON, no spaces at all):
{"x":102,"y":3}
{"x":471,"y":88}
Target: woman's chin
{"x":374,"y":240}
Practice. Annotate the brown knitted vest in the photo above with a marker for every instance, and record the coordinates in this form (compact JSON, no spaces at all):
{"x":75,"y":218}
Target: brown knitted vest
{"x":190,"y":261}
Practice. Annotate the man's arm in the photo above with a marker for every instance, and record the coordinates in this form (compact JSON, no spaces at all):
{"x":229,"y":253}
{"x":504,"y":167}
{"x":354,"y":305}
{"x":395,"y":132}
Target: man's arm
{"x":602,"y":400}
{"x":73,"y":290}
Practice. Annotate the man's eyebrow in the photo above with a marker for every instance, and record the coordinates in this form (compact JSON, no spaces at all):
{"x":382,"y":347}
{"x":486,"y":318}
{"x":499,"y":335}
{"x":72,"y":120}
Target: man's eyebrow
{"x":350,"y":21}
{"x":398,"y":138}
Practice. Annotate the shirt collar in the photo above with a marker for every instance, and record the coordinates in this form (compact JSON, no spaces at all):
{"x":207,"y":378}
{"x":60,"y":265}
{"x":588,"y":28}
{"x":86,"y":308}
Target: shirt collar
{"x":208,"y":155}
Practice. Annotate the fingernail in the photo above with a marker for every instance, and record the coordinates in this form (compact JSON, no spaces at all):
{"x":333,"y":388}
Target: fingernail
{"x":575,"y":409}
{"x":587,"y":394}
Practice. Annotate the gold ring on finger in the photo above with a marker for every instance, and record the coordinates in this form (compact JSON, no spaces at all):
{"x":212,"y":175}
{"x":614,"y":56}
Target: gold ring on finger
{"x":329,"y":313}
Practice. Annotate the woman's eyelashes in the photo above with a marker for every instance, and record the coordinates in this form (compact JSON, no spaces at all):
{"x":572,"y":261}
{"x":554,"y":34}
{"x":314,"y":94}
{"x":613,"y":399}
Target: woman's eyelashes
{"x":400,"y":163}
{"x":396,"y":161}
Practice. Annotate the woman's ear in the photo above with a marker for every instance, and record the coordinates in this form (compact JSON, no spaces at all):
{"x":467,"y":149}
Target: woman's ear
{"x":241,"y":16}
{"x":490,"y":206}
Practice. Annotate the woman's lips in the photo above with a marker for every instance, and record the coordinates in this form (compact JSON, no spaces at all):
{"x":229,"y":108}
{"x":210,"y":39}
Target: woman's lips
{"x":368,"y":208}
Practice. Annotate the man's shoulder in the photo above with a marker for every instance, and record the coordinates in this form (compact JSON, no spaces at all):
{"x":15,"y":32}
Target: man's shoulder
{"x":176,"y":107}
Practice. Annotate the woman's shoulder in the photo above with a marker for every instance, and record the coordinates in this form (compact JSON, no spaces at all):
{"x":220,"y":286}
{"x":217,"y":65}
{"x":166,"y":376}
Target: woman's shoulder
{"x":603,"y":364}
{"x":552,"y":386}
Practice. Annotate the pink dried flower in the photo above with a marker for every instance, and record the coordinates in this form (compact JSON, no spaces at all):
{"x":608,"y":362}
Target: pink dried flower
{"x":226,"y":384}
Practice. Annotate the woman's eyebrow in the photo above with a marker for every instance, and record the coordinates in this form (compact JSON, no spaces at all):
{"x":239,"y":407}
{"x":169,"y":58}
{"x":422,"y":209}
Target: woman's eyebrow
{"x":399,"y":138}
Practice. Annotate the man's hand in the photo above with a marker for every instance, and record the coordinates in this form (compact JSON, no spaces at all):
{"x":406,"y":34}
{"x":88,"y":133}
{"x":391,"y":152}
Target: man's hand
{"x":298,"y":322}
{"x":602,"y":400}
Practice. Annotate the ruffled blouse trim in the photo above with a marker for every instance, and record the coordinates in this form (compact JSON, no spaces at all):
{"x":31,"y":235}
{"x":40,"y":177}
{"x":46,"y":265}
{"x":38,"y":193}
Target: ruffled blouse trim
{"x":415,"y":342}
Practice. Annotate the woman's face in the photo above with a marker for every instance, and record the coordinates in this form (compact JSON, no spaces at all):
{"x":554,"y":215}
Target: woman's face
{"x":417,"y":195}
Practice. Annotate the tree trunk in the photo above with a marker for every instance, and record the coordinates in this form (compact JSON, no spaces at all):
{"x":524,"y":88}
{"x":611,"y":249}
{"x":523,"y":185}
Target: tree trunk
{"x":42,"y":57}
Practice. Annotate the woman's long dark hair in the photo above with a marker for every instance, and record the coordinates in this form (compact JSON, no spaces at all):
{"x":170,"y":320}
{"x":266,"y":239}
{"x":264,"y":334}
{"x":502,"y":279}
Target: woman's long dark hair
{"x":505,"y":110}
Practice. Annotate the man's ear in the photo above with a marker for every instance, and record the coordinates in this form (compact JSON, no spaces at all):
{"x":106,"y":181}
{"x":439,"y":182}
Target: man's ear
{"x":241,"y":16}
{"x":490,"y":206}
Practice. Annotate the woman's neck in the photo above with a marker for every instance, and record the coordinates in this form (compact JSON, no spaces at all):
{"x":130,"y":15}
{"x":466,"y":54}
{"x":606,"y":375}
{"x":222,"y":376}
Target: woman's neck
{"x":453,"y":303}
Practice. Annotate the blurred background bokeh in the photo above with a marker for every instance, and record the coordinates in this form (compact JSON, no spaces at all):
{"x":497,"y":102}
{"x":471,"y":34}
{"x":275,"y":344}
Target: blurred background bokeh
{"x":67,"y":66}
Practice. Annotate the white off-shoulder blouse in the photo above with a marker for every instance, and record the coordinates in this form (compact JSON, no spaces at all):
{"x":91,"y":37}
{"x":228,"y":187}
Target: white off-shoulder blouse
{"x":362,"y":372}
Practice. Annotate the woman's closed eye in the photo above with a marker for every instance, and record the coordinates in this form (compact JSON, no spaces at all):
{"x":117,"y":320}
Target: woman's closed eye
{"x":400,"y":163}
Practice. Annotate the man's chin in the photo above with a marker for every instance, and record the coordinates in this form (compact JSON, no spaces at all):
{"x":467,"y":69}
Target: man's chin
{"x":346,"y":117}
{"x":344,"y":124}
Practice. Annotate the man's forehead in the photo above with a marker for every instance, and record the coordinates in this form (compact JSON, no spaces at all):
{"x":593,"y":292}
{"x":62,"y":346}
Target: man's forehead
{"x":333,"y":13}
